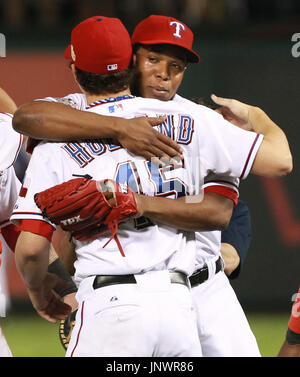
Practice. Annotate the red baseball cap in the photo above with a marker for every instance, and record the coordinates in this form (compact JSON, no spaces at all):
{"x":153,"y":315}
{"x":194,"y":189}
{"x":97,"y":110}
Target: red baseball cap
{"x":100,"y":45}
{"x":157,"y":29}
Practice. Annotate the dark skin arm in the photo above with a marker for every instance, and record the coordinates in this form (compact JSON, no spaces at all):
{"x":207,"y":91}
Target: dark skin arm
{"x":67,"y":256}
{"x":59,"y":122}
{"x":212,"y":213}
{"x":289,"y":350}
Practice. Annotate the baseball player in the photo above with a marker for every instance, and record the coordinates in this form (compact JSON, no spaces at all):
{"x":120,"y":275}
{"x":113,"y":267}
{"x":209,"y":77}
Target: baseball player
{"x":110,"y":307}
{"x":11,"y":143}
{"x":236,"y":238}
{"x":291,"y":345}
{"x":211,"y":244}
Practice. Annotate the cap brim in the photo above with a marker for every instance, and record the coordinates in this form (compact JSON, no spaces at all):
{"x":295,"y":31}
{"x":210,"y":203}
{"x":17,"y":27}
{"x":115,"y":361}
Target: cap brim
{"x":193,"y":57}
{"x":67,"y":53}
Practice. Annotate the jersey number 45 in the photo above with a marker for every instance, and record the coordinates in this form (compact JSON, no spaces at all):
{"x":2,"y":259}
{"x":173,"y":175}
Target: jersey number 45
{"x":127,"y":174}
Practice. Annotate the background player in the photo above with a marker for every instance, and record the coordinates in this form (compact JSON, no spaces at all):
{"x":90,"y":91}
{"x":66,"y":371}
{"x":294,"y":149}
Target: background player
{"x":291,"y":345}
{"x":10,"y":144}
{"x":236,"y":238}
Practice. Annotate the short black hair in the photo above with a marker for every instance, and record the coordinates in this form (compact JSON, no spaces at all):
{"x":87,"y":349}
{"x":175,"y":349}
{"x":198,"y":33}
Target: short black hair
{"x":183,"y":54}
{"x":97,"y":84}
{"x":204,"y":102}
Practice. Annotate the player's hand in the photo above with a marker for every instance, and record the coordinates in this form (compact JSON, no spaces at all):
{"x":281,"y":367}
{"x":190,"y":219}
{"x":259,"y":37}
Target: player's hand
{"x":46,"y":302}
{"x":71,"y":300}
{"x":231,"y":258}
{"x":234,"y":111}
{"x":140,"y":138}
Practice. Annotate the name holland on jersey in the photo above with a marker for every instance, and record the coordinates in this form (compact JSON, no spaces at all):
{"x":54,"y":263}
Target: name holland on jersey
{"x":84,"y":153}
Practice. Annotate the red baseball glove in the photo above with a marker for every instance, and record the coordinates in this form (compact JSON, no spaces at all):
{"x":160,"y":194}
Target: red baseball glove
{"x":88,"y":208}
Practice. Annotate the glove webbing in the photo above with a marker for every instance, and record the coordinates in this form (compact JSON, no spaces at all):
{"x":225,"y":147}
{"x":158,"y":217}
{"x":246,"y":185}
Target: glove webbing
{"x":113,"y":227}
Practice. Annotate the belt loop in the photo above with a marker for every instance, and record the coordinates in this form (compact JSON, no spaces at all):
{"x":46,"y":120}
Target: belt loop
{"x":211,"y":268}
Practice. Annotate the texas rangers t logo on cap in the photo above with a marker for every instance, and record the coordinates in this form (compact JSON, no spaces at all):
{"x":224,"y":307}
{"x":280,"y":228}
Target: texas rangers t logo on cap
{"x":179,"y":28}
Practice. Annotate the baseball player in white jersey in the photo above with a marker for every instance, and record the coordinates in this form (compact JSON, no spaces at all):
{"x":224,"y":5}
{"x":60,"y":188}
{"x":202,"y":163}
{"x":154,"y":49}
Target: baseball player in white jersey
{"x":211,"y":327}
{"x":10,"y":144}
{"x":108,"y":316}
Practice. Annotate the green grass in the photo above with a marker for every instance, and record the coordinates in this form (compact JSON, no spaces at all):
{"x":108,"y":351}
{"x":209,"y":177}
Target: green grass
{"x":28,"y":335}
{"x":269,"y":330}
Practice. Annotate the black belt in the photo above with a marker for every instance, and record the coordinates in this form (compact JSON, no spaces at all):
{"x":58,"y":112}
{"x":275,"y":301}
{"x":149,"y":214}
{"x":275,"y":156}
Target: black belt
{"x":105,"y":280}
{"x":201,"y":275}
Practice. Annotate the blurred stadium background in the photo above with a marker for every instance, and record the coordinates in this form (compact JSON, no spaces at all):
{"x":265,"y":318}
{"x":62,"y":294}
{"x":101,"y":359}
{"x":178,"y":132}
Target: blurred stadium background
{"x":246,"y":53}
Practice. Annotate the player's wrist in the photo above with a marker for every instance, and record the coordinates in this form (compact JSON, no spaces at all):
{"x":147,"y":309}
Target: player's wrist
{"x":140,"y":203}
{"x":118,"y":128}
{"x":258,"y":119}
{"x":57,"y":268}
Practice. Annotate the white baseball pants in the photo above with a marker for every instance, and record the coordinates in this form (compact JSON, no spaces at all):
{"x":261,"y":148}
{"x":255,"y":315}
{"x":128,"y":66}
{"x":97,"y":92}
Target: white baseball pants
{"x":222,"y":324}
{"x":4,"y":349}
{"x":152,"y":318}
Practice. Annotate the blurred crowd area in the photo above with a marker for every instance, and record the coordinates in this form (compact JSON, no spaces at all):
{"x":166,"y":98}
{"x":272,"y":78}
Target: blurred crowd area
{"x":60,"y":15}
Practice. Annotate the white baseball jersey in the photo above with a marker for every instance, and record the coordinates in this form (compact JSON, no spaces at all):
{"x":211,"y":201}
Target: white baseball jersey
{"x":209,"y":148}
{"x":76,"y":100}
{"x":11,"y":143}
{"x":9,"y":189}
{"x":208,"y":244}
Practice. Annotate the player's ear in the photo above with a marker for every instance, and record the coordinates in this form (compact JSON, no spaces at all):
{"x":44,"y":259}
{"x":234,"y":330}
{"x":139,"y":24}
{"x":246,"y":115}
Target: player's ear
{"x":73,"y":69}
{"x":134,"y":59}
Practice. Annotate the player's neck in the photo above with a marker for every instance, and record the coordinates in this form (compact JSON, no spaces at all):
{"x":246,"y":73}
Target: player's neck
{"x":90,"y":98}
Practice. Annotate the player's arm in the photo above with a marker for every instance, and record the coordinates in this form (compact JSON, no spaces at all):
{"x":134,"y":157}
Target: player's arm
{"x":32,"y":259}
{"x":274,"y":156}
{"x":63,"y":267}
{"x":230,"y":257}
{"x":68,"y":255}
{"x":291,"y":344}
{"x":59,"y":122}
{"x":236,"y":239}
{"x":289,"y":350}
{"x":7,"y":104}
{"x":188,"y":213}
{"x":55,"y":265}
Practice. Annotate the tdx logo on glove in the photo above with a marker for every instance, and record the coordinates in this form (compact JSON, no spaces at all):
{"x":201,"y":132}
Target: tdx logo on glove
{"x":71,"y":220}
